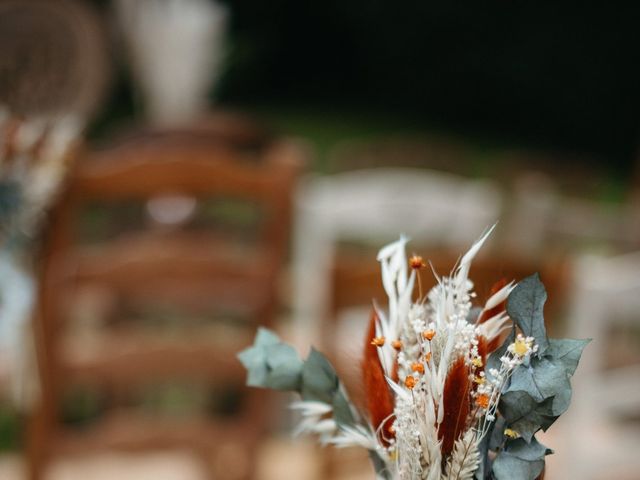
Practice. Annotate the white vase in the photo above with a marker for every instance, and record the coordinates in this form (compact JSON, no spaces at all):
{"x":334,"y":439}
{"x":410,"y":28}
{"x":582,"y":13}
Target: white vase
{"x":175,"y":49}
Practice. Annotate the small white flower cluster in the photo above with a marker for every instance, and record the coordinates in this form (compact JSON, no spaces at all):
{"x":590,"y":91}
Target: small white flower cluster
{"x":517,"y":352}
{"x":407,"y":438}
{"x":522,"y":347}
{"x":417,"y":316}
{"x":466,"y":343}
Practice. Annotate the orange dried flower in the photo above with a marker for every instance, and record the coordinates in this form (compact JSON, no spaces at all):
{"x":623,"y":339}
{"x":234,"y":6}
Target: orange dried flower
{"x":482,"y":400}
{"x":397,"y":344}
{"x":416,"y":262}
{"x":378,"y":341}
{"x":417,"y":367}
{"x":429,"y":334}
{"x":427,"y":357}
{"x":410,"y":382}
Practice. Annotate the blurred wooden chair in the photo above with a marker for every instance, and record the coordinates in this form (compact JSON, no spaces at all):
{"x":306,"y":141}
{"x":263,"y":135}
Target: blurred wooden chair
{"x":164,"y":263}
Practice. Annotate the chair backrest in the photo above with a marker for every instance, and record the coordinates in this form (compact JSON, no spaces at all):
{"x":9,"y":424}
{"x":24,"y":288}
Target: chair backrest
{"x":146,"y":170}
{"x":193,"y":268}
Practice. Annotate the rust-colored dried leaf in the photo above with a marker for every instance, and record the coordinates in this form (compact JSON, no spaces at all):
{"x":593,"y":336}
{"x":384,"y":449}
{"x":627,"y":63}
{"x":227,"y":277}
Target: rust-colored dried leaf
{"x":456,"y":405}
{"x":379,"y":397}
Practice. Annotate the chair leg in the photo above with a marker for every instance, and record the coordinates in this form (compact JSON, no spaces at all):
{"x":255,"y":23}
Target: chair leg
{"x":37,"y":439}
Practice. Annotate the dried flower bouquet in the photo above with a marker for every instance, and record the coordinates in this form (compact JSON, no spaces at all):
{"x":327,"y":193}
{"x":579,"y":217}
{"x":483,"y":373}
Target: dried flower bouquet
{"x":454,"y":392}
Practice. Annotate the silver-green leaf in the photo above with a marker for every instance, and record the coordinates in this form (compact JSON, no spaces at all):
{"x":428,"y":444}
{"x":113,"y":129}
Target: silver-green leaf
{"x":319,"y":379}
{"x":270,"y":363}
{"x":520,"y":460}
{"x":525,"y":306}
{"x":542,"y":379}
{"x":568,"y":351}
{"x":526,"y":416}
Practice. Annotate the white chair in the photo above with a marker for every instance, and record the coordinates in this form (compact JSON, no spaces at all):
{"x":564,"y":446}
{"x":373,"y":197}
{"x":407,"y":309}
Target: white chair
{"x":376,"y":206}
{"x":606,"y":291}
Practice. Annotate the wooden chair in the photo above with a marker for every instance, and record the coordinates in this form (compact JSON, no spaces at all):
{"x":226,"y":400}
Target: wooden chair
{"x":193,"y":269}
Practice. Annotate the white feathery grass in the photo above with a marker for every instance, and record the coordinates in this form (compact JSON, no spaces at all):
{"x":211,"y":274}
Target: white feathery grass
{"x":310,"y":407}
{"x":398,"y":390}
{"x":398,"y":285}
{"x":314,"y":421}
{"x":499,"y":297}
{"x":357,"y":436}
{"x":464,"y":458}
{"x":462,"y":273}
{"x":494,"y":326}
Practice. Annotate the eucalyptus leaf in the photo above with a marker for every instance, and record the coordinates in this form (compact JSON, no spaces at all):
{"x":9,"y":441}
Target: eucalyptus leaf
{"x":342,"y":412}
{"x":271,"y":363}
{"x":542,"y":379}
{"x":561,"y":401}
{"x":266,"y":337}
{"x":254,"y":360}
{"x":526,"y":416}
{"x":489,"y":443}
{"x":508,"y":467}
{"x":520,"y":460}
{"x":284,"y":367}
{"x":530,"y":451}
{"x":568,"y":351}
{"x":496,"y":435}
{"x":319,"y":379}
{"x":525,"y":306}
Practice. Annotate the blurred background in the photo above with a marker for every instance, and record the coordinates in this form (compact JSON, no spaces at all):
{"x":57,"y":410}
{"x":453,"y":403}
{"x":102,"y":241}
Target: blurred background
{"x":176,"y":173}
